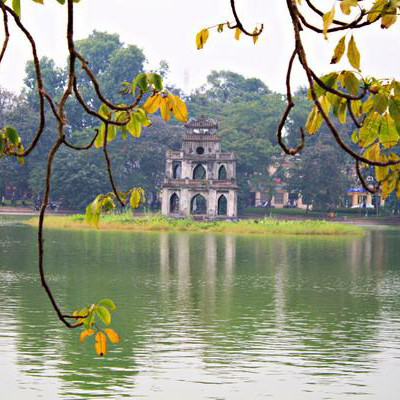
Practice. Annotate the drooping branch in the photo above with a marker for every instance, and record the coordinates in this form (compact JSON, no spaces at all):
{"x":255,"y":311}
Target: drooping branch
{"x":356,"y":24}
{"x":365,"y":185}
{"x":239,"y":23}
{"x":79,"y":148}
{"x":294,"y":14}
{"x":39,"y":81}
{"x":98,"y":90}
{"x":289,"y":106}
{"x":6,"y":32}
{"x":353,"y":117}
{"x":110,"y":175}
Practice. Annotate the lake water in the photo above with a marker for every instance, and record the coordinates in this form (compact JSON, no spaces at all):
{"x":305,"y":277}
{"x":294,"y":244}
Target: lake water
{"x":203,"y":316}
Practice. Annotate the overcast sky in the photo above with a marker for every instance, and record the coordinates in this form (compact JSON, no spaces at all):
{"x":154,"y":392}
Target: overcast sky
{"x":166,"y":30}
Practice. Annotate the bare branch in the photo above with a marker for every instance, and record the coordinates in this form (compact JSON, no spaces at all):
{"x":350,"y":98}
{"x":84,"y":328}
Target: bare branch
{"x":365,"y":185}
{"x":39,"y":81}
{"x":6,"y":32}
{"x":289,"y":106}
{"x":114,"y":187}
{"x":98,"y":91}
{"x":239,"y":23}
{"x":87,"y":147}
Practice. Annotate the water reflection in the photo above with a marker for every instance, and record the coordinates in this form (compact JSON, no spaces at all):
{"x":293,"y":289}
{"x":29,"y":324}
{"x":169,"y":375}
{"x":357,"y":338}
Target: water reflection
{"x":205,"y":316}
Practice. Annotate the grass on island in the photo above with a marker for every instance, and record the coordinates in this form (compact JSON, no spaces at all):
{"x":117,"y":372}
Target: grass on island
{"x":154,"y":223}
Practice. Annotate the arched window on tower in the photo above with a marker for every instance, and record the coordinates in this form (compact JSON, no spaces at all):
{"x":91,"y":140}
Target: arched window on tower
{"x":176,"y":170}
{"x":222,"y":205}
{"x":198,"y":205}
{"x":222,"y":173}
{"x":199,"y":172}
{"x":174,"y":204}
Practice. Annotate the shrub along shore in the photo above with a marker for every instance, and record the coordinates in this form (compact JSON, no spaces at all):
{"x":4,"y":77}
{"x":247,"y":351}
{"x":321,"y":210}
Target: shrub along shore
{"x":154,"y":223}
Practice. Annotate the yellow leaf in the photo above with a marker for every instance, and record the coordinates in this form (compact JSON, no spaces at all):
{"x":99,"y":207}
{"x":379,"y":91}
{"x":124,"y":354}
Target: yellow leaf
{"x":133,"y":126}
{"x":314,"y":121}
{"x":201,"y":38}
{"x":112,"y":335}
{"x":135,"y":198}
{"x":388,"y":185}
{"x":152,"y":104}
{"x":375,"y":11}
{"x":327,"y":20}
{"x":256,"y":35}
{"x":389,"y":19}
{"x":339,"y":50}
{"x":353,"y":54}
{"x":84,"y":334}
{"x":180,"y":111}
{"x":101,"y":344}
{"x":398,"y":189}
{"x":346,"y":5}
{"x":164,"y":108}
{"x":237,"y":33}
{"x":99,"y":142}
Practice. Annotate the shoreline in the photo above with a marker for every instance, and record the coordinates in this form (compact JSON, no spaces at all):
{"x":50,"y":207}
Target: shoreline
{"x":266,"y":227}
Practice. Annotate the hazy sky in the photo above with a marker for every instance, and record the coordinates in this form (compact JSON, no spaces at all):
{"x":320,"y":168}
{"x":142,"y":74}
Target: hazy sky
{"x":167,"y":29}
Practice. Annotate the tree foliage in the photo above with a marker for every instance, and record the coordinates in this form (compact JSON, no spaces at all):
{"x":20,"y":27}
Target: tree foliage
{"x":116,"y":116}
{"x":372,"y":103}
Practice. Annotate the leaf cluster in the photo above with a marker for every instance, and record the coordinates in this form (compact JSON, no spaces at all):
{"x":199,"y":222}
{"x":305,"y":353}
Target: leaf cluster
{"x":95,"y":319}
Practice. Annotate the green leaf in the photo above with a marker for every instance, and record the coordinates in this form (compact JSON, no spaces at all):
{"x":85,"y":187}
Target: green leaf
{"x":103,"y":314}
{"x":87,"y":323}
{"x":143,"y":83}
{"x":156,"y":80}
{"x":369,"y":132}
{"x":329,"y":80}
{"x":394,"y":108}
{"x":109,"y":303}
{"x":388,"y":135}
{"x":353,"y":54}
{"x":396,"y":87}
{"x":351,"y":83}
{"x":12,"y":135}
{"x":16,"y":6}
{"x":381,"y":102}
{"x":61,"y":1}
{"x":342,"y":112}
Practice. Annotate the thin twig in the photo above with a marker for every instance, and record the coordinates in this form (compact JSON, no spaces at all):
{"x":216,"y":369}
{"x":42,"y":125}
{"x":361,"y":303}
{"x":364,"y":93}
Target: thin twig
{"x":239,"y":23}
{"x":110,"y":176}
{"x":364,"y":184}
{"x":39,"y":82}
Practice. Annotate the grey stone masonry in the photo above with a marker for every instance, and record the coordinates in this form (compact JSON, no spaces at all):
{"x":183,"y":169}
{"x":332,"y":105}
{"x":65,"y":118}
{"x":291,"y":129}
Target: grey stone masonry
{"x":200,"y":180}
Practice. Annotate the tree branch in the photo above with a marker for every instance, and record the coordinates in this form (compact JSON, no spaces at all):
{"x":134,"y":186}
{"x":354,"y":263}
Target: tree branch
{"x":239,"y":23}
{"x":6,"y":32}
{"x":289,"y":106}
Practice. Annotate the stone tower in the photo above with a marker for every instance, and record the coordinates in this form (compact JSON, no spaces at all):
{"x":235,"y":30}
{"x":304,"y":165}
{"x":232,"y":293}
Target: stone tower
{"x":200,"y":180}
